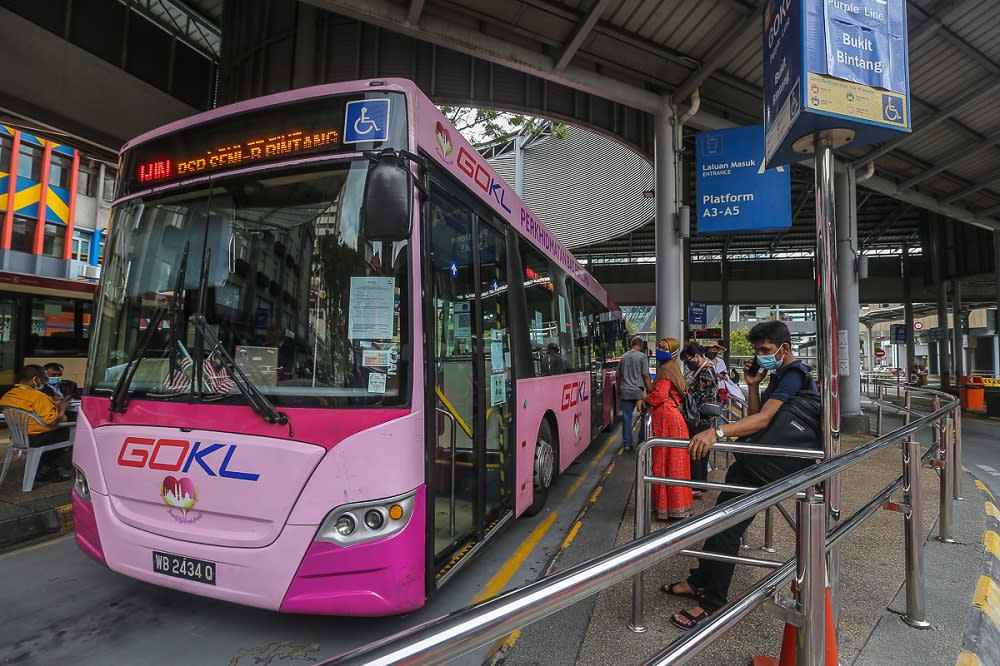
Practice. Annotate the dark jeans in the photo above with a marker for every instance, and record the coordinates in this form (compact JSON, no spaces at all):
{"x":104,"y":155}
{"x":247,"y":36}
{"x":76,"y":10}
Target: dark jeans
{"x":628,"y":408}
{"x":60,"y":457}
{"x":699,"y":468}
{"x":711,"y":579}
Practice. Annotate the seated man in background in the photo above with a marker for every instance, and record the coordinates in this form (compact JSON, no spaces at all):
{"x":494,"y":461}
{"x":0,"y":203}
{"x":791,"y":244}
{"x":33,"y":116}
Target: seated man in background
{"x":27,"y":394}
{"x":55,"y":386}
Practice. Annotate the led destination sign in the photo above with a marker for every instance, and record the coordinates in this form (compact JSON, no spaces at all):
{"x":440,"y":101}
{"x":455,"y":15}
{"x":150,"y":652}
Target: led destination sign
{"x":272,"y":134}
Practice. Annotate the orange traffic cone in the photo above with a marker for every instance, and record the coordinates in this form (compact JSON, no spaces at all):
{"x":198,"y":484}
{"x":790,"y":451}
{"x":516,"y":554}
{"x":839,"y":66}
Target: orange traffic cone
{"x":789,"y":637}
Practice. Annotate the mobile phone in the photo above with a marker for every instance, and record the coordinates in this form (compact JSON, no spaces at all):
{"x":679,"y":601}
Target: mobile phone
{"x":754,"y":368}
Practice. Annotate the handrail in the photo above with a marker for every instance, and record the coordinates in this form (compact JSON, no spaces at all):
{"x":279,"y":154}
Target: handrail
{"x":464,"y":630}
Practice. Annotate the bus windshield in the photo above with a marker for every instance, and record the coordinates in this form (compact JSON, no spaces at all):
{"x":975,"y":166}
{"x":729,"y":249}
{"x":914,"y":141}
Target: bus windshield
{"x":310,"y":311}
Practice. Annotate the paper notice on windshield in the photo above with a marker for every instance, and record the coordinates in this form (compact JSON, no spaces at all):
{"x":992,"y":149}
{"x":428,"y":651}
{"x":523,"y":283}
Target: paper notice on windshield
{"x":371,"y":311}
{"x":375,"y":358}
{"x":498,"y":389}
{"x":376,"y":382}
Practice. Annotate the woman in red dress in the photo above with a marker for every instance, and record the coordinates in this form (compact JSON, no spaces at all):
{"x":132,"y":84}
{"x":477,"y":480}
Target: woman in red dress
{"x":664,"y":406}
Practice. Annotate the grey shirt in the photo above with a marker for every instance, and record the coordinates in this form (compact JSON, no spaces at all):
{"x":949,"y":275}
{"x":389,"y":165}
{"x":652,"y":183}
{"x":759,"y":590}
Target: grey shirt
{"x":631,"y":369}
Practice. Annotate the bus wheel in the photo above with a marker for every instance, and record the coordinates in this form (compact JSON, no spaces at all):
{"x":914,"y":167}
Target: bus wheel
{"x":545,"y":469}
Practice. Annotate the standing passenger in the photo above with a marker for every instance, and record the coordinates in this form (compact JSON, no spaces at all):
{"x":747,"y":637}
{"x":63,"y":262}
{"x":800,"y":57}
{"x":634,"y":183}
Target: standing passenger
{"x":704,"y":387}
{"x":664,"y":405}
{"x":632,"y":385}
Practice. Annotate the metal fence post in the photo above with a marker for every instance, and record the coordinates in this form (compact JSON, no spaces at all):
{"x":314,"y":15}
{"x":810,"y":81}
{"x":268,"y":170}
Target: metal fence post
{"x":907,"y":402}
{"x":946,"y":455}
{"x":956,"y":468}
{"x":913,"y":531}
{"x":880,"y":395}
{"x":641,"y":527}
{"x":810,"y":578}
{"x":768,"y":546}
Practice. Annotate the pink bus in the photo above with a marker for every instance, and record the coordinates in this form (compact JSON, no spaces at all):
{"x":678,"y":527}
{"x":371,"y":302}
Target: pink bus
{"x":333,"y":355}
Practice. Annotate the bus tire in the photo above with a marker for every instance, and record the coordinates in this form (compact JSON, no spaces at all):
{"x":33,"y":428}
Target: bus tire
{"x":544,"y":469}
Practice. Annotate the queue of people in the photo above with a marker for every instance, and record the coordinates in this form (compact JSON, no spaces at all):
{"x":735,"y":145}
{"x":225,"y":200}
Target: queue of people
{"x":669,"y":401}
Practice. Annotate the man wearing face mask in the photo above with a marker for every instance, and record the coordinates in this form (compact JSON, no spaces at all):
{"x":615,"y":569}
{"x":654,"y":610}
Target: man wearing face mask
{"x":55,"y":385}
{"x":709,"y":583}
{"x":27,"y":394}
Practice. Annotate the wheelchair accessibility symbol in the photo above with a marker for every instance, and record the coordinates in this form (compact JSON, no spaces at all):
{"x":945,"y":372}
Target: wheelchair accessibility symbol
{"x":890,"y":110}
{"x":366,"y":120}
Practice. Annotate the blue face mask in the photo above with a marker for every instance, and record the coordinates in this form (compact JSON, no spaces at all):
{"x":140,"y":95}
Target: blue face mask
{"x":769,"y":361}
{"x":54,"y":380}
{"x":663,"y":356}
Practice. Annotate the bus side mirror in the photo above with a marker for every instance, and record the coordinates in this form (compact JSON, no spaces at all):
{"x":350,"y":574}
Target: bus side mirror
{"x":388,"y":197}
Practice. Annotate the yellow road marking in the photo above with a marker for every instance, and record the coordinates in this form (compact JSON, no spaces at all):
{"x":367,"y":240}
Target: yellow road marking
{"x":992,"y":542}
{"x":593,"y":463}
{"x":500,"y":579}
{"x":966,"y":658}
{"x":992,"y":511}
{"x":982,"y":486}
{"x":597,"y":491}
{"x":987,"y":599}
{"x":572,"y":535}
{"x":37,"y":546}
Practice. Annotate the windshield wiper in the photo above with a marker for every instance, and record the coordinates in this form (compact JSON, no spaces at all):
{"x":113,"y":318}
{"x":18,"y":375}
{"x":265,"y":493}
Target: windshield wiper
{"x":204,"y":333}
{"x":119,"y":398}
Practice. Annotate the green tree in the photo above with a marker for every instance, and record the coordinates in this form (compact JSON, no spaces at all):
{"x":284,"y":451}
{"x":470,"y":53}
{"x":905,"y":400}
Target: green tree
{"x":482,"y":126}
{"x":739,"y":343}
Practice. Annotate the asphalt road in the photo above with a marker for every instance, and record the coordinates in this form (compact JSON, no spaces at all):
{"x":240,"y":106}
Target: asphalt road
{"x":981,"y":452}
{"x":60,"y":607}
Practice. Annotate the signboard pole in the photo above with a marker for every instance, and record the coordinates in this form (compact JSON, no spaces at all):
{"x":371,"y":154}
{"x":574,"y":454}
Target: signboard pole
{"x":826,"y":329}
{"x":944,"y":361}
{"x":669,"y":315}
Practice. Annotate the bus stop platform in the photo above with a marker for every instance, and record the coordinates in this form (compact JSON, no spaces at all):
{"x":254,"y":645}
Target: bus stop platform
{"x":25,"y":516}
{"x":595,"y":632}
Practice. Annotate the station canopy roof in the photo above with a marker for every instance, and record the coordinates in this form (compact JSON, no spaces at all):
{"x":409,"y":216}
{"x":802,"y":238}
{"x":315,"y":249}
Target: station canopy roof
{"x":636,"y":51}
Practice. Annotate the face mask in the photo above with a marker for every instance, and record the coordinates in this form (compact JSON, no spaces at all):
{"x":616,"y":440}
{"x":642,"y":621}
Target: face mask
{"x":693,"y":365}
{"x":711,"y":355}
{"x":54,"y":380}
{"x":769,"y":361}
{"x":663,"y":356}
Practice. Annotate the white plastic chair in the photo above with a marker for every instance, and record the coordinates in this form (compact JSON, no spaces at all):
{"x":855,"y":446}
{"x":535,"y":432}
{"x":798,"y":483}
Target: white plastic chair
{"x":17,"y":423}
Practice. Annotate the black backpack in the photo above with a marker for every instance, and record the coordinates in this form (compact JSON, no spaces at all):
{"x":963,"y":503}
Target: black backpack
{"x":796,"y":424}
{"x":689,"y":410}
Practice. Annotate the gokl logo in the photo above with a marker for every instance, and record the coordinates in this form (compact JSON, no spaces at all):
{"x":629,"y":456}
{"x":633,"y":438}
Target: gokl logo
{"x":443,"y":138}
{"x":481,"y":176}
{"x":575,"y":393}
{"x":178,"y":455}
{"x":180,"y":495}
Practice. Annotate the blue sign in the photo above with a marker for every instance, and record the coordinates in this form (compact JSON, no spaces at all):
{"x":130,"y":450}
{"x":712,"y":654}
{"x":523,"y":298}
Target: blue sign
{"x":735,"y":193}
{"x":834,"y":64}
{"x":366,"y":120}
{"x":897,"y":332}
{"x":697,"y":315}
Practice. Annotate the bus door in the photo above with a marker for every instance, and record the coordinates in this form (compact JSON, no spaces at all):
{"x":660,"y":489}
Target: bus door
{"x":471,"y":476}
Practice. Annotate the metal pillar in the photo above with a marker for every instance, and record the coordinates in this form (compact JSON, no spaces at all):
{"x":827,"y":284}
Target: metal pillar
{"x":938,"y":270}
{"x":958,"y":349}
{"x":724,"y":268}
{"x":848,"y":338}
{"x":810,"y":640}
{"x":911,"y":350}
{"x":870,"y":349}
{"x":946,"y":457}
{"x":826,"y":342}
{"x":669,"y":263}
{"x":916,"y":614}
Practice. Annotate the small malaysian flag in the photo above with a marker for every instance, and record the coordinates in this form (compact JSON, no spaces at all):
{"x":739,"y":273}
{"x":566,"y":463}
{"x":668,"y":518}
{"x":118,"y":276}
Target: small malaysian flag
{"x":216,"y":375}
{"x":178,"y":377}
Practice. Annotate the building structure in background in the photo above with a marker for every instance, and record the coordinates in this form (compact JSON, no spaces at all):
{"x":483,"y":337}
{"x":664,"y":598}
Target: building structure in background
{"x":54,"y":215}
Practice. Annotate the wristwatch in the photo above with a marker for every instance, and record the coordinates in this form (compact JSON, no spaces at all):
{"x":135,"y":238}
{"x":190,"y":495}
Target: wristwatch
{"x":719,"y":434}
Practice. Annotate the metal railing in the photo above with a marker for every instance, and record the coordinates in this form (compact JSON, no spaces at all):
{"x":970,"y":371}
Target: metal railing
{"x":464,"y":630}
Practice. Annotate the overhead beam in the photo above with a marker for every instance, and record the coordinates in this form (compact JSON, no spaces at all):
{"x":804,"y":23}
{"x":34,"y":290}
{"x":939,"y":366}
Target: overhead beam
{"x":961,"y":155}
{"x":416,"y":9}
{"x":719,"y":53}
{"x":973,"y":188}
{"x":937,"y":16}
{"x":884,"y":224}
{"x":438,"y":31}
{"x":582,"y":30}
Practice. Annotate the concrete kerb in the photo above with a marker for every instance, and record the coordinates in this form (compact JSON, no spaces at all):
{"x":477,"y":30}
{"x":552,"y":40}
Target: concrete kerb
{"x":55,"y":520}
{"x":981,"y":641}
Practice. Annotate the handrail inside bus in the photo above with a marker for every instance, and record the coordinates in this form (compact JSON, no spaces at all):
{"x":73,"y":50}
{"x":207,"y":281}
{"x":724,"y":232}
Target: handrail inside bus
{"x":454,"y":412}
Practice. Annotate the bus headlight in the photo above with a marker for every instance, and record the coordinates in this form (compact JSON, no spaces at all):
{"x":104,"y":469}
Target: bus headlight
{"x":80,"y":484}
{"x":356,"y":523}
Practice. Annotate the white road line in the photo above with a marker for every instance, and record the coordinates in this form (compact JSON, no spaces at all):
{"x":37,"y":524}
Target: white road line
{"x":989,"y":470}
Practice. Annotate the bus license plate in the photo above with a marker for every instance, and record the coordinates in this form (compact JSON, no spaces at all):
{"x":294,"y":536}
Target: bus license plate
{"x":184,"y":567}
